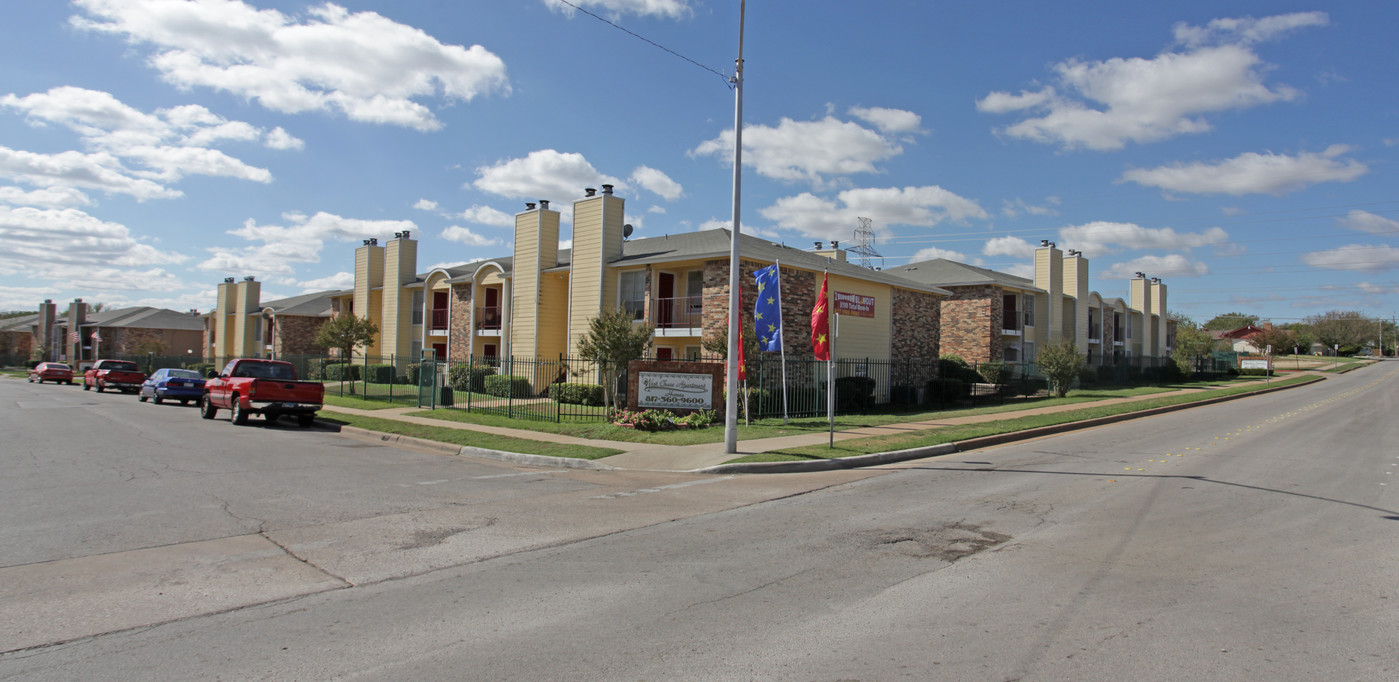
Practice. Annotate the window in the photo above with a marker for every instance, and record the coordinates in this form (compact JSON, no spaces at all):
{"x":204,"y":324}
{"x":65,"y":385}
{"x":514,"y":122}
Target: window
{"x":417,"y":307}
{"x":1029,"y":310}
{"x":632,"y":292}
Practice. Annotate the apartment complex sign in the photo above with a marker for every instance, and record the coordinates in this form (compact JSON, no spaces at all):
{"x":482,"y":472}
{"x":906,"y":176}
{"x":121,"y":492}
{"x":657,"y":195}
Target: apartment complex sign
{"x":670,"y":390}
{"x":852,"y":304}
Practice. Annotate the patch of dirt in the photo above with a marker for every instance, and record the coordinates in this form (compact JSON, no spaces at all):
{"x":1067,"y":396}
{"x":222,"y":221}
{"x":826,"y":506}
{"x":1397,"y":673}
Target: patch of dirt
{"x":946,"y":543}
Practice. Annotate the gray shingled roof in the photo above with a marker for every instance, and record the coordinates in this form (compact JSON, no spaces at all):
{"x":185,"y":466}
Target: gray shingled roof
{"x":946,"y":273}
{"x":145,"y":317}
{"x":314,"y":304}
{"x":23,"y":323}
{"x":717,"y":243}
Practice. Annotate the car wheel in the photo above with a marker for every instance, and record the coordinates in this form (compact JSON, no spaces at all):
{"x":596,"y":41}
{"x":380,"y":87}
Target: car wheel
{"x":69,"y":382}
{"x":86,"y":387}
{"x":184,"y":402}
{"x":157,"y":399}
{"x":141,"y":397}
{"x":206,"y":408}
{"x":100,"y":387}
{"x":240,"y":416}
{"x":31,"y":379}
{"x":305,"y":420}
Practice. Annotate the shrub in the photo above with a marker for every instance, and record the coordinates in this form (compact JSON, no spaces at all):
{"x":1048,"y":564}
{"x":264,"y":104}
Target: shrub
{"x":995,"y":372}
{"x":202,"y":367}
{"x":1061,"y":363}
{"x":952,"y":366}
{"x":946,"y":391}
{"x":379,"y":374}
{"x":410,"y":374}
{"x":1255,"y":372}
{"x":577,"y":394}
{"x":1172,"y":371}
{"x":663,"y":420}
{"x":340,"y":371}
{"x":469,"y":377}
{"x":1087,"y":376}
{"x":903,"y":395}
{"x":505,"y":386}
{"x":854,"y":393}
{"x":699,"y":419}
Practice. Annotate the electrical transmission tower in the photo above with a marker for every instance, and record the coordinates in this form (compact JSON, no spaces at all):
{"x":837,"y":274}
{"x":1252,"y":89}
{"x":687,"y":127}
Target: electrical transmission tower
{"x":864,"y":244}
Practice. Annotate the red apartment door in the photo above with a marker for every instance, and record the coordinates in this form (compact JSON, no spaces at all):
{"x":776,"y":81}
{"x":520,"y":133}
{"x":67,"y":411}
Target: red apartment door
{"x":665,"y":299}
{"x":490,"y":314}
{"x":440,"y":350}
{"x":664,"y":354}
{"x":439,"y":310}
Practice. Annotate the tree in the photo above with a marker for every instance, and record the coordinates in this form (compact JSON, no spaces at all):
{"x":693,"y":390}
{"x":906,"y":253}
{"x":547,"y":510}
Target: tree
{"x":612,"y":341}
{"x":1192,"y":342}
{"x":1229,"y":321}
{"x":718,"y":343}
{"x":1347,"y":330}
{"x":1061,"y":363}
{"x":1280,"y":339}
{"x":343,"y":333}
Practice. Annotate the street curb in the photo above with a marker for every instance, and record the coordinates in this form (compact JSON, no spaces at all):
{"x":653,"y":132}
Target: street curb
{"x":878,"y":458}
{"x":471,"y":451}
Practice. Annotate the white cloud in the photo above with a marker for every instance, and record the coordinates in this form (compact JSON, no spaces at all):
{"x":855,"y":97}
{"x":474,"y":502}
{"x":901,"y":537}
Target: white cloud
{"x":362,"y":64}
{"x":300,"y":242}
{"x":1013,"y":209}
{"x":1247,"y":29}
{"x":1360,"y":257}
{"x":657,"y":183}
{"x":1252,"y":173}
{"x":49,"y":197}
{"x":1172,"y":265}
{"x":68,"y":244}
{"x":1008,"y":246}
{"x":1378,"y":289}
{"x":670,"y":9}
{"x":935,"y":252}
{"x":890,"y":121}
{"x":281,"y":139}
{"x":337,"y":281}
{"x":134,"y":152}
{"x":1103,"y":105}
{"x":425,"y":205}
{"x":542,"y":174}
{"x":462,"y":235}
{"x":656,"y":209}
{"x":1365,"y":221}
{"x":1102,"y":237}
{"x":816,"y":217}
{"x":485,"y":215}
{"x":808,"y":151}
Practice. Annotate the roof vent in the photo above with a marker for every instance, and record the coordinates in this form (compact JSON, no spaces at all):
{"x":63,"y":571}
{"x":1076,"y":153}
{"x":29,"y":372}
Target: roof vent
{"x":1044,"y":242}
{"x":230,"y":280}
{"x":543,"y":204}
{"x":1155,"y":280}
{"x":589,"y":192}
{"x":607,"y":190}
{"x":373,"y":241}
{"x":835,"y":244}
{"x":249,"y":278}
{"x":819,"y":245}
{"x":529,"y":205}
{"x":1141,"y":275}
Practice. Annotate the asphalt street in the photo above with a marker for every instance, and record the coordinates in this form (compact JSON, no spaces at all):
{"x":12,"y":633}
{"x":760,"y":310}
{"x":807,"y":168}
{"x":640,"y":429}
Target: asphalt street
{"x":1252,"y":539}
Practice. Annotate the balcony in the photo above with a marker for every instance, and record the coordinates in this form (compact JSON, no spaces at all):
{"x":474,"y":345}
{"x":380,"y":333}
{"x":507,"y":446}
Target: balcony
{"x":1095,"y":332}
{"x":679,"y":316}
{"x":488,"y":320}
{"x":439,"y":319}
{"x":1011,"y":323}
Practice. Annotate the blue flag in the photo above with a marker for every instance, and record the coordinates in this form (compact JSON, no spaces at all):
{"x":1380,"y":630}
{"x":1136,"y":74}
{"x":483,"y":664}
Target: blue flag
{"x":767,"y":311}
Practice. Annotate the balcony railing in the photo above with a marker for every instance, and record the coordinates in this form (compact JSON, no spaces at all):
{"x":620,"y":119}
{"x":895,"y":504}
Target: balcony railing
{"x":1010,"y":321}
{"x":487,"y":317}
{"x":439,"y":318}
{"x":1095,"y":331}
{"x":679,"y":312}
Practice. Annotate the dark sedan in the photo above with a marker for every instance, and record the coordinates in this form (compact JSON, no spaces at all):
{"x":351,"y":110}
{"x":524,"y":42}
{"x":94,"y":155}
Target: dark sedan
{"x":184,"y":385}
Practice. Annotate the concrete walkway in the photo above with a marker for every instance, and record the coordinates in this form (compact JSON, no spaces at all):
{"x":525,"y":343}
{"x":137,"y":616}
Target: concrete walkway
{"x":654,"y":457}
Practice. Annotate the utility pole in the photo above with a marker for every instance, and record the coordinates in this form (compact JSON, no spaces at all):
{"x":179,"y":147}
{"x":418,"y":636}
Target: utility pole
{"x":735,"y":323}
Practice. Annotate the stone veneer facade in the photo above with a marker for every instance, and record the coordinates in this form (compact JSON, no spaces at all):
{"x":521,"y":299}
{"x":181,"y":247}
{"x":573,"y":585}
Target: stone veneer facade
{"x":459,"y":327}
{"x":296,"y":335}
{"x":798,"y":293}
{"x":971,"y":323}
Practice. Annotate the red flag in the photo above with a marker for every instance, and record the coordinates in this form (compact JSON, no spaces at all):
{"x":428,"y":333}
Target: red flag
{"x":821,"y":325}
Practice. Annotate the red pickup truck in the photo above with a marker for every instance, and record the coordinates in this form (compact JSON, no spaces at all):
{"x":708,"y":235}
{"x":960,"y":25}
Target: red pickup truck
{"x":123,"y":375}
{"x":267,"y":387}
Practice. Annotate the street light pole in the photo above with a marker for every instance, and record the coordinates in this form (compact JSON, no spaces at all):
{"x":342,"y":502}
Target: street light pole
{"x":735,"y":325}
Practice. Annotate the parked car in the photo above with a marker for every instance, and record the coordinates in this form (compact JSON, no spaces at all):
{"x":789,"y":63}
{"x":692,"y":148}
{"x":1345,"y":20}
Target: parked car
{"x":122,"y":375}
{"x":267,"y":387}
{"x":51,"y":371}
{"x":184,"y":385}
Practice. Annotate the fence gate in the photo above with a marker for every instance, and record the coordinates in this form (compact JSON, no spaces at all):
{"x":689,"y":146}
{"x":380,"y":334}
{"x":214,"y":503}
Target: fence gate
{"x":427,"y":379}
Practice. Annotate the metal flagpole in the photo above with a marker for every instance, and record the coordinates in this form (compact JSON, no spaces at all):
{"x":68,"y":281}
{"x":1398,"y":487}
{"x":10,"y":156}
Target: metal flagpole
{"x":830,"y":376}
{"x":735,"y":328}
{"x":782,"y":342}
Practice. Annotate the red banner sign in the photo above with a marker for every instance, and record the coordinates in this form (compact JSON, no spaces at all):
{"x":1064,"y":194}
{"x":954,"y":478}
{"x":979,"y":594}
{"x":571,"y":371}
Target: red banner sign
{"x":852,"y":304}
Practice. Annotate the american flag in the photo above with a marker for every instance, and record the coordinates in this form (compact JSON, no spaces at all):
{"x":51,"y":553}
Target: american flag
{"x":73,"y":337}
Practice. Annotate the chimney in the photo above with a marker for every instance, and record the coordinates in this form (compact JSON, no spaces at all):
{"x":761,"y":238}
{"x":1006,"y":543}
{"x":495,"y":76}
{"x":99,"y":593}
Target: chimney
{"x":543,"y":204}
{"x":529,"y":205}
{"x":589,"y":192}
{"x":607,"y":190}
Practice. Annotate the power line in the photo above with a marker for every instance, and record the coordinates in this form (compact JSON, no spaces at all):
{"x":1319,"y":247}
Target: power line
{"x":720,"y":74}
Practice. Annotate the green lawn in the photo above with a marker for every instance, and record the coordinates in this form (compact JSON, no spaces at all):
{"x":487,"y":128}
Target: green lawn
{"x":477,"y":439}
{"x":372,"y":403}
{"x":773,"y":427}
{"x":952,"y":434}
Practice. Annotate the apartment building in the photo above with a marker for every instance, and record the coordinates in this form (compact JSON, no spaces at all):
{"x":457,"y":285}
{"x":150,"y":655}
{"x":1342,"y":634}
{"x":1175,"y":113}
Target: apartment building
{"x":81,"y":335}
{"x":241,"y":325}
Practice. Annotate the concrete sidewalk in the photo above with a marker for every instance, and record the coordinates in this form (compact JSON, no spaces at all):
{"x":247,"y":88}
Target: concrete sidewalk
{"x":647,"y":456}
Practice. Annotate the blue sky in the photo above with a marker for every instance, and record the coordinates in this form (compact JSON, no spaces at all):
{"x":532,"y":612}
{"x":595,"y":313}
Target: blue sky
{"x":1241,"y":151}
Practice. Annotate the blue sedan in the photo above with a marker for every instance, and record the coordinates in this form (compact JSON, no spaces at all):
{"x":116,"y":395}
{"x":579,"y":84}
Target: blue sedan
{"x":184,"y":385}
